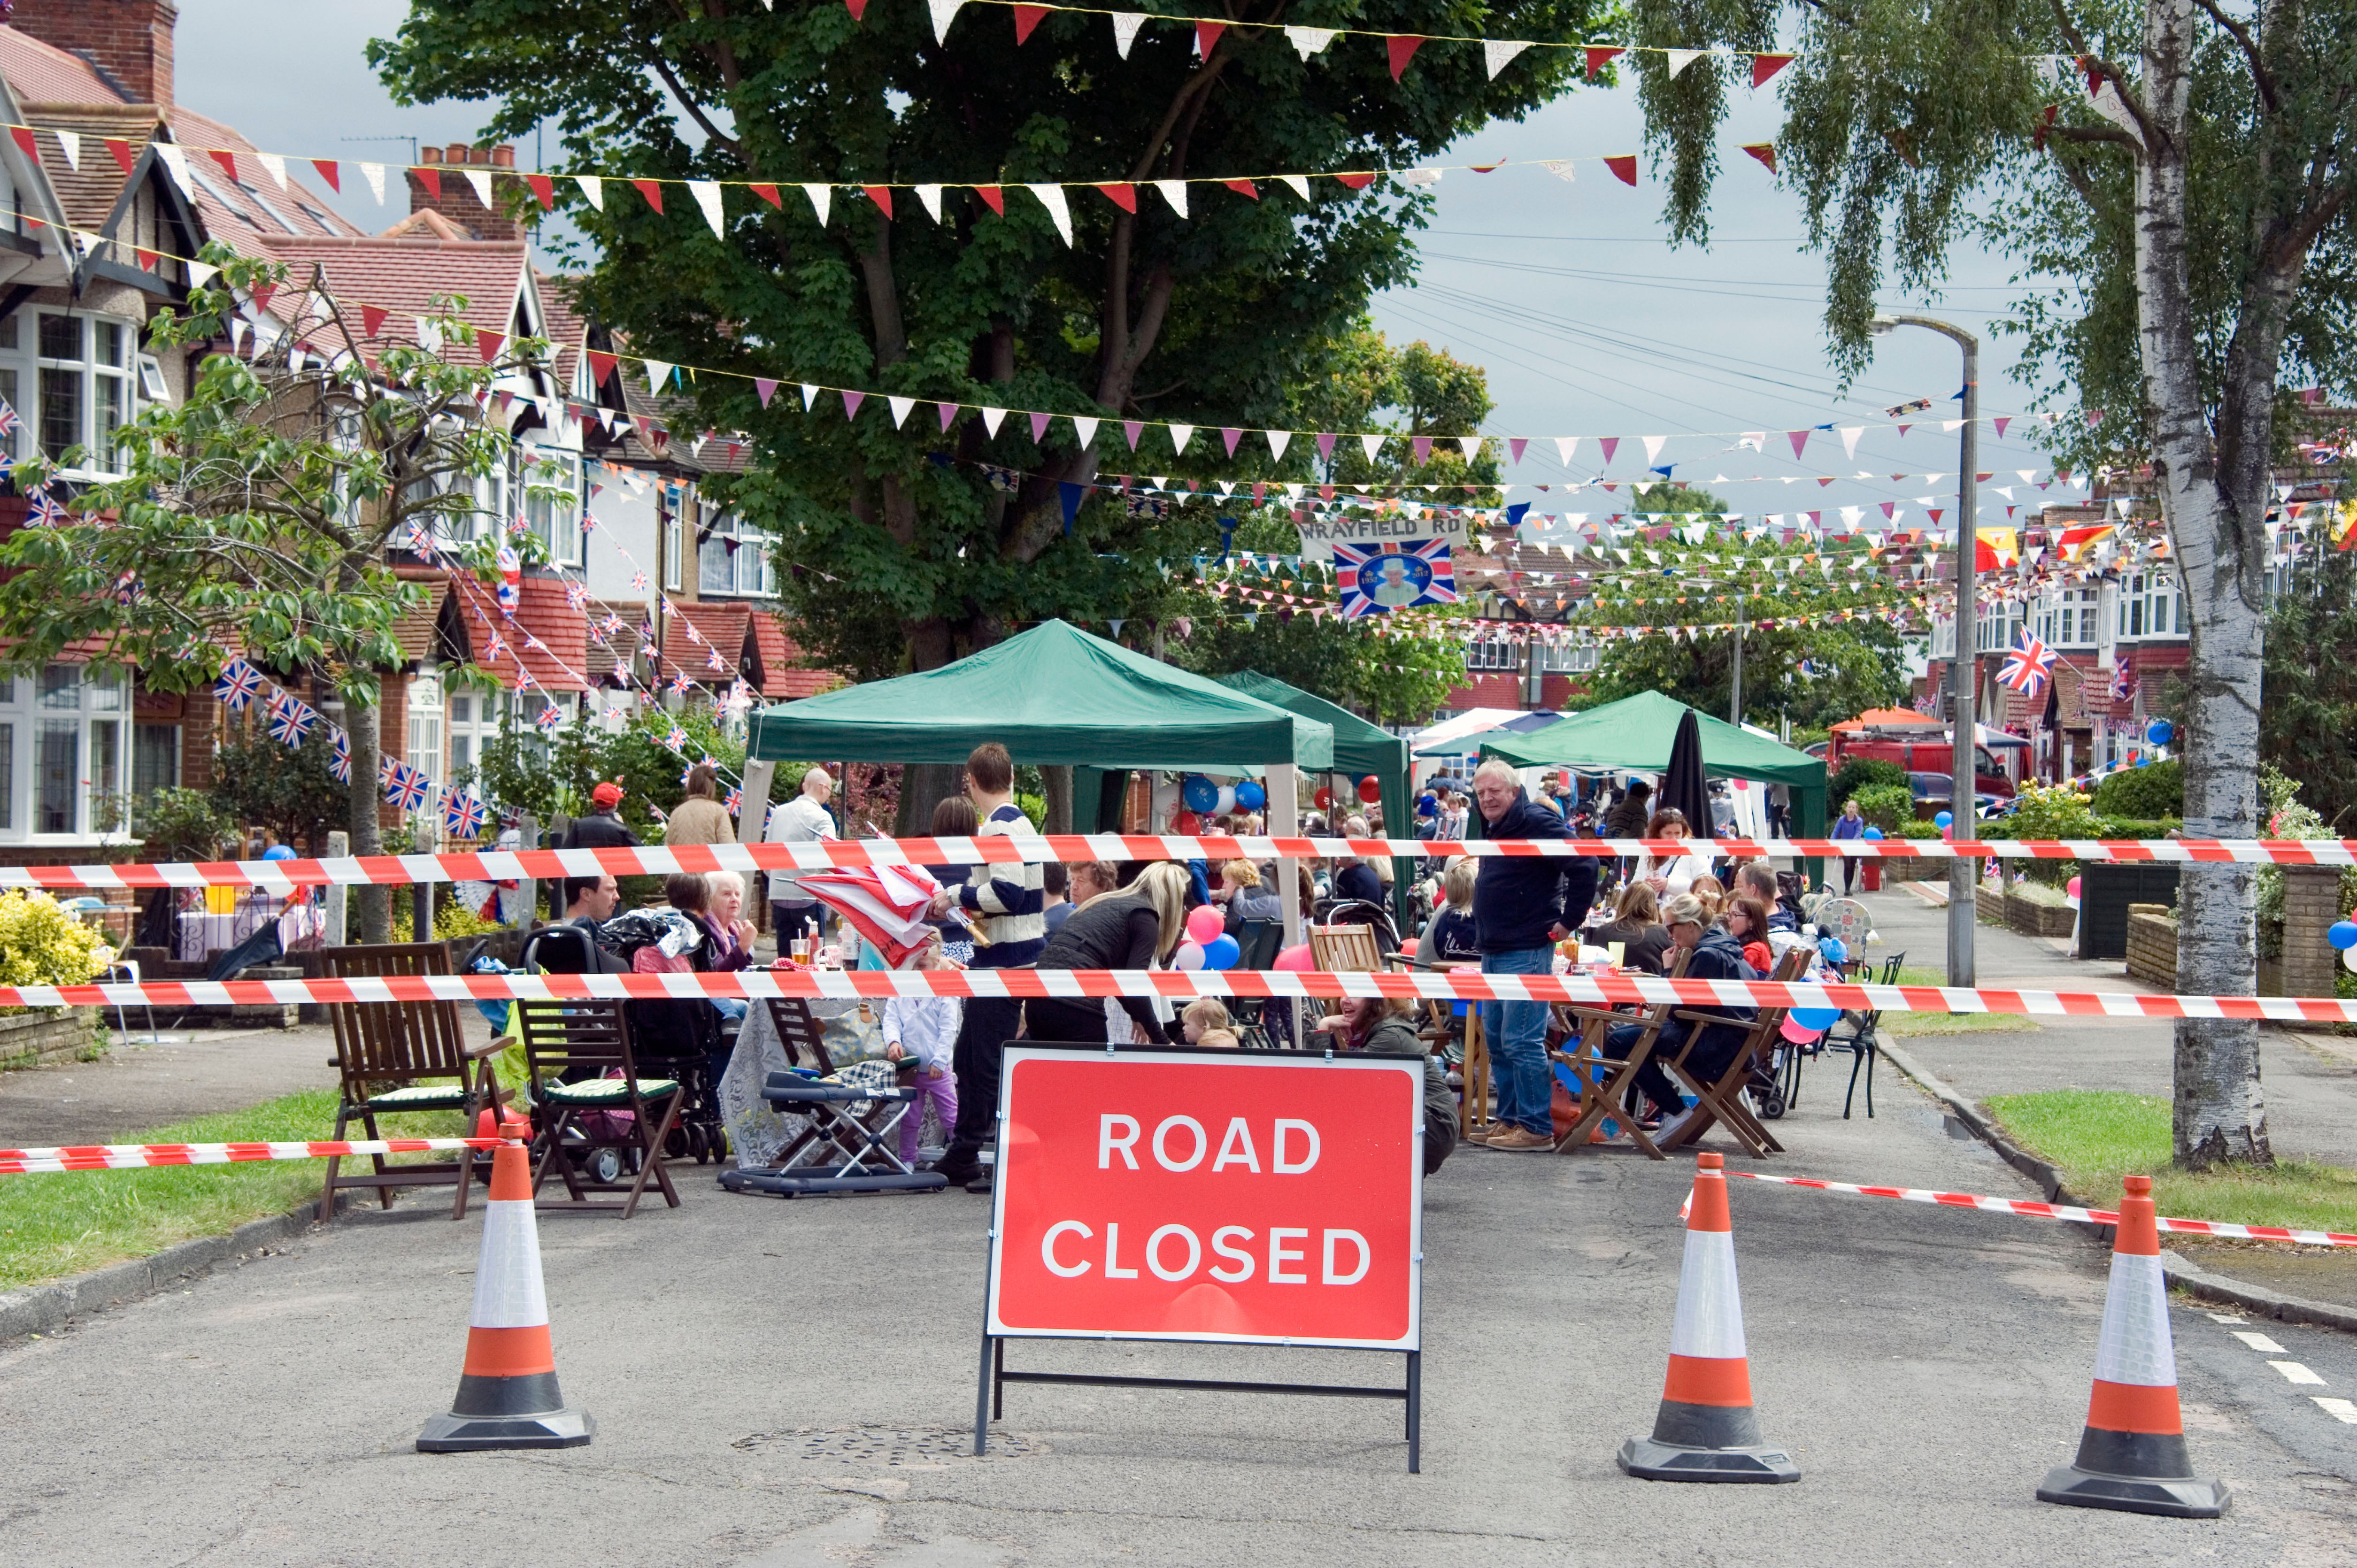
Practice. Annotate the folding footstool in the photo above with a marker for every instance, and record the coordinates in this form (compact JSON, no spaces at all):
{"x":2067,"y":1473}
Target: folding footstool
{"x":842,"y":1150}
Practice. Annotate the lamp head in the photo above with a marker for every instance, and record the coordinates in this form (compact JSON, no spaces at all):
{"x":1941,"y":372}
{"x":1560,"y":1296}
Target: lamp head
{"x":1883,"y":325}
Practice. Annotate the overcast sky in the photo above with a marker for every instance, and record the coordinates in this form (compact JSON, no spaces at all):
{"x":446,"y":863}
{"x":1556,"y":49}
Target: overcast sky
{"x":1586,"y":320}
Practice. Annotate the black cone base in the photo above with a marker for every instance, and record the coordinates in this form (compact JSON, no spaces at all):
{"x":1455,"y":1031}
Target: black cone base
{"x":474,"y":1433}
{"x":1652,"y":1460}
{"x":2178,"y":1498}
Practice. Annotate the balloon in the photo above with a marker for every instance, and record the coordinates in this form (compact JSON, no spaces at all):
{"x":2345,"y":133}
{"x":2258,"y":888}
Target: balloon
{"x":1324,"y":799}
{"x":1251,"y":796}
{"x":1205,"y":922}
{"x":1298,"y":960}
{"x":2349,"y":957}
{"x":1816,"y":1020}
{"x":2343,"y":935}
{"x":1370,"y":790}
{"x":1945,"y":818}
{"x":1200,"y":793}
{"x":1872,"y":832}
{"x":1833,"y":950}
{"x":1800,"y":1034}
{"x":1220,"y":952}
{"x":1186,"y":824}
{"x":2160,"y":732}
{"x":1227,"y":801}
{"x":2071,"y":890}
{"x":1947,"y":836}
{"x":1188,"y":956}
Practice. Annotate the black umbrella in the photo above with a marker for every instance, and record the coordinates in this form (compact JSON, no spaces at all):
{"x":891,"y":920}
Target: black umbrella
{"x":1682,"y":785}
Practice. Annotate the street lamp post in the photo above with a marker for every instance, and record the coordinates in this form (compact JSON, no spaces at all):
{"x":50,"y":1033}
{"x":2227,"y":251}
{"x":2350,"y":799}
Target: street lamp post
{"x":1964,"y":671}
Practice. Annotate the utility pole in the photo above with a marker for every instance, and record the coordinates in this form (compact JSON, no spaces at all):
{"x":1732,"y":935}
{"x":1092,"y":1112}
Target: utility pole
{"x":1964,"y":671}
{"x":1735,"y":700}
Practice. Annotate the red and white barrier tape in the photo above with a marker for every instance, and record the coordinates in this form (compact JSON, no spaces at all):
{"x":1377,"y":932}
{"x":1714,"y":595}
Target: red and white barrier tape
{"x":392,"y":870}
{"x":140,"y":1157}
{"x":2059,"y":1212}
{"x":1179,"y":986}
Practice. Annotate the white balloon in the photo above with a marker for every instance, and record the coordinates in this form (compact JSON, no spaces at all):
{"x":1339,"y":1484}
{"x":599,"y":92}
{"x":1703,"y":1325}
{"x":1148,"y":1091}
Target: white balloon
{"x":2349,"y":957}
{"x":1188,"y":956}
{"x":1227,"y":801}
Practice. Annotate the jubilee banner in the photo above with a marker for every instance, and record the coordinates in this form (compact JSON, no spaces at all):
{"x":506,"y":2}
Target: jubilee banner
{"x":1385,"y":530}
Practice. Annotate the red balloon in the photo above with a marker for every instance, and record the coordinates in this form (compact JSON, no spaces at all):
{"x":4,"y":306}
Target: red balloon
{"x":1370,"y":790}
{"x":1187,"y":823}
{"x":1324,"y":798}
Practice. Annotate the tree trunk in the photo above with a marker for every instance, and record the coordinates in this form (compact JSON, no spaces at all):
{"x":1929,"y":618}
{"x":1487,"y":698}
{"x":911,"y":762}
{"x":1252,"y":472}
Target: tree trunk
{"x":375,"y":917}
{"x":2218,"y":1111}
{"x":1057,"y":782}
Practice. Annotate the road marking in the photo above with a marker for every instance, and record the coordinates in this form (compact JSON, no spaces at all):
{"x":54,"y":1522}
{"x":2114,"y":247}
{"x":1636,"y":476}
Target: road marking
{"x":2223,"y":1318}
{"x":2261,"y":1342}
{"x":2297,"y":1373}
{"x":2339,"y":1410}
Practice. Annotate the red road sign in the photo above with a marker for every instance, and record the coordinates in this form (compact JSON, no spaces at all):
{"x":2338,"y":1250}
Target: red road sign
{"x":1237,"y":1197}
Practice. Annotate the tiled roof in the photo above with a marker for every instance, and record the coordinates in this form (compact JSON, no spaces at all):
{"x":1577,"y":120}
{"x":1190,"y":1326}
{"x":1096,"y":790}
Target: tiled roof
{"x":724,"y":626}
{"x":36,"y":70}
{"x":414,"y":629}
{"x":87,"y":194}
{"x":612,"y":650}
{"x":569,"y":333}
{"x":782,"y":674}
{"x":541,"y":611}
{"x":404,"y":275}
{"x":252,"y":212}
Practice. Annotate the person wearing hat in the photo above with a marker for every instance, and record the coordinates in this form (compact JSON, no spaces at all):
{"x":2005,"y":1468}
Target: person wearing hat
{"x":601,"y":829}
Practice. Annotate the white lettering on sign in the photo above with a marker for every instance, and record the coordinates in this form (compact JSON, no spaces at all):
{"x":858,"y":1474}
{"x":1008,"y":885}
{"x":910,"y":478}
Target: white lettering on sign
{"x":1162,"y":1153}
{"x":1321,"y":532}
{"x":1047,"y":1249}
{"x":1108,"y":1146}
{"x":1236,"y":1255}
{"x":1194,"y":1253}
{"x":1236,"y":1149}
{"x":1114,"y":1270}
{"x":1365,"y":1257}
{"x":1280,"y":1254}
{"x":1278,"y":1161}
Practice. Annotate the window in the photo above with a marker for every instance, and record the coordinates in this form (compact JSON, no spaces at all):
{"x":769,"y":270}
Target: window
{"x":154,"y":760}
{"x":59,"y":778}
{"x":735,"y":559}
{"x":678,"y":523}
{"x":551,"y":484}
{"x":424,"y":727}
{"x":82,"y":377}
{"x":1493,"y":653}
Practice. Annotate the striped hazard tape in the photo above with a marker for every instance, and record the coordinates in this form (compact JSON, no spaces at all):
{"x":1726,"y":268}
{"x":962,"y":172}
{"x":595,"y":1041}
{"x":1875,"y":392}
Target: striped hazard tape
{"x":141,"y":1156}
{"x":2064,"y":1211}
{"x":1179,"y":986}
{"x":394,"y":870}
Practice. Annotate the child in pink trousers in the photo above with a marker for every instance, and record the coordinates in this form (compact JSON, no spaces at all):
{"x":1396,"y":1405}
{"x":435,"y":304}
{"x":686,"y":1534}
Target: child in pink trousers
{"x":925,"y":1027}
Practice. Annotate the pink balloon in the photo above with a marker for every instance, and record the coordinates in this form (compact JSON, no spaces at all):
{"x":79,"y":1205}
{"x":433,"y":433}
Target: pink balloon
{"x":1298,"y":959}
{"x":1188,"y":956}
{"x":1798,"y":1033}
{"x":1204,"y":922}
{"x":2072,"y":888}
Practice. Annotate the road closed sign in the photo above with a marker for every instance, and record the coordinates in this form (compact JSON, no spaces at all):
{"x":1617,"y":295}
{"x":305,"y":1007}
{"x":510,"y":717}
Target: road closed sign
{"x":1244,"y":1197}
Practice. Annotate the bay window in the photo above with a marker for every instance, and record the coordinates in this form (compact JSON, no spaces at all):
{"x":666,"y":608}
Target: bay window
{"x":81,"y":374}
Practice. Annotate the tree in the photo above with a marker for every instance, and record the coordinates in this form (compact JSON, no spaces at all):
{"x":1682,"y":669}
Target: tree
{"x":2308,"y":726}
{"x":910,"y":544}
{"x":2185,"y":165}
{"x":255,"y":516}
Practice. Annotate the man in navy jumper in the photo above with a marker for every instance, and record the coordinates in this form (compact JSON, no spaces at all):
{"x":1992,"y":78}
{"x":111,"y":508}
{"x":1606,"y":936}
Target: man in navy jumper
{"x":1006,"y":904}
{"x":1521,"y":908}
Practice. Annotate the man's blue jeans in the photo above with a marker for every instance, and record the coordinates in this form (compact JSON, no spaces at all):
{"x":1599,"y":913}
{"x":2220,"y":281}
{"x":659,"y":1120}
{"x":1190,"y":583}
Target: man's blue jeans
{"x":1516,"y":1032}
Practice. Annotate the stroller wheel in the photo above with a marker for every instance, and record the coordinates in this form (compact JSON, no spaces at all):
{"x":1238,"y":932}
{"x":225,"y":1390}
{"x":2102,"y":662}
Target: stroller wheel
{"x":699,"y":1145}
{"x":677,"y":1143}
{"x":1771,"y":1105}
{"x":603,"y":1166}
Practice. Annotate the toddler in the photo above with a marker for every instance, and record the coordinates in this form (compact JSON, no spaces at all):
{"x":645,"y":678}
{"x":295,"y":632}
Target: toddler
{"x":925,"y":1027}
{"x":1221,"y":1040}
{"x":1203,"y":1016}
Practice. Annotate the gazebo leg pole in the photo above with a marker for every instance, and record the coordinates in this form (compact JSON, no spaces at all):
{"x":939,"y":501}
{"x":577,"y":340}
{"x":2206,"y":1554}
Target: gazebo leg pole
{"x":1285,"y":821}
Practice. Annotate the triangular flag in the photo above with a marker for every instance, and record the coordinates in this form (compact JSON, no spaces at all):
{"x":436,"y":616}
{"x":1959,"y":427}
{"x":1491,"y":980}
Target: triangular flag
{"x":945,"y":11}
{"x":69,"y":144}
{"x":1026,"y":18}
{"x":992,"y":197}
{"x":1611,"y":443}
{"x":1230,"y":435}
{"x":1242,"y":187}
{"x":1401,"y":49}
{"x":764,"y":389}
{"x":431,"y":178}
{"x":810,"y":395}
{"x":1765,"y":66}
{"x":1307,"y":41}
{"x":1277,"y":440}
{"x":222,"y":155}
{"x":991,"y":418}
{"x":1599,"y":57}
{"x":658,"y":373}
{"x":1765,"y":152}
{"x":122,"y":151}
{"x":900,"y":407}
{"x":1072,"y":493}
{"x":1624,"y":168}
{"x":1299,"y":182}
{"x":1133,"y":428}
{"x":479,"y":178}
{"x":1179,"y":436}
{"x":949,"y":414}
{"x":592,"y":188}
{"x":374,"y":174}
{"x":822,"y":197}
{"x":930,"y":198}
{"x":23,"y":136}
{"x":1679,"y":59}
{"x":1040,"y":423}
{"x":767,"y":193}
{"x":1370,"y":445}
{"x":1086,"y":429}
{"x":1207,"y":37}
{"x":1849,"y":434}
{"x":1517,"y":445}
{"x":1121,"y":194}
{"x":601,"y":367}
{"x":1051,"y":196}
{"x":1564,"y":446}
{"x":1798,"y":439}
{"x":1174,"y":191}
{"x":1124,"y":30}
{"x":1497,"y":53}
{"x":851,"y":401}
{"x":176,"y":164}
{"x":2002,"y":421}
{"x":653,"y":190}
{"x":1654,"y":445}
{"x":708,"y":197}
{"x":544,"y":190}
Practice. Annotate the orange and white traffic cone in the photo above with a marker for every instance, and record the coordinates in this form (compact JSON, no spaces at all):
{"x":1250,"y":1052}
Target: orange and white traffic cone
{"x":1706,"y":1430}
{"x":2132,"y":1455}
{"x":508,"y":1396}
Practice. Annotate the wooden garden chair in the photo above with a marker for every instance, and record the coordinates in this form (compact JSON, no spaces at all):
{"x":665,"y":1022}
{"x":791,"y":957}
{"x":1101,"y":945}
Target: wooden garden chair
{"x":395,"y":1057}
{"x":1719,"y":1101}
{"x":571,"y":1045}
{"x":1604,"y":1080}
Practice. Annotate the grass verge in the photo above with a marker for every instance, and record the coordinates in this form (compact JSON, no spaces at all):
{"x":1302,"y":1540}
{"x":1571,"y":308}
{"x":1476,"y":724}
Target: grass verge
{"x":69,"y":1222}
{"x":2096,"y":1136}
{"x":1949,"y":1023}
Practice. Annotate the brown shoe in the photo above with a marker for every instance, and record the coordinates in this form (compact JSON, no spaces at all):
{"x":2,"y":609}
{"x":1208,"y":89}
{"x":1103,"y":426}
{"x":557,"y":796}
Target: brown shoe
{"x":1517,"y":1140}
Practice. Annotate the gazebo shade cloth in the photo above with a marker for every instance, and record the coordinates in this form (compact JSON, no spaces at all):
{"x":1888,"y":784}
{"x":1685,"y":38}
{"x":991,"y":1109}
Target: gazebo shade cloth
{"x":1053,"y":696}
{"x":1634,"y":735}
{"x":1358,"y":748}
{"x":1449,"y":736}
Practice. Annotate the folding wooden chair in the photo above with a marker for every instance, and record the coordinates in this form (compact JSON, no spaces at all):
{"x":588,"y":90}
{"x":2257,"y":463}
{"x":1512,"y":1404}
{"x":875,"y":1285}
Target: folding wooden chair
{"x":801,"y":1036}
{"x":571,"y":1047}
{"x":1719,"y":1101}
{"x":1604,"y":1080}
{"x":1346,"y":950}
{"x":400,"y":1056}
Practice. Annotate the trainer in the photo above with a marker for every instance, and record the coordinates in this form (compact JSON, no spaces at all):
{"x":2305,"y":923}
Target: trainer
{"x":1522,"y":906}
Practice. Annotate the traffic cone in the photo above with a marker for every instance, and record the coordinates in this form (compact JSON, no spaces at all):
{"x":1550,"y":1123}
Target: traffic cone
{"x":508,"y":1396}
{"x":1706,"y":1430}
{"x":2132,"y":1455}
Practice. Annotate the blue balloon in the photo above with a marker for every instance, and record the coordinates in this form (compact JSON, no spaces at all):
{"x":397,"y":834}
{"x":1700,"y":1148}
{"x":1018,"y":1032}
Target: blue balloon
{"x":1871,"y":832}
{"x":1818,"y":1018}
{"x":1833,"y":950}
{"x":1200,"y":793}
{"x":1944,"y":820}
{"x":1251,"y":796}
{"x":2142,"y":760}
{"x":1220,"y":952}
{"x":2342,"y":935}
{"x":2160,"y":732}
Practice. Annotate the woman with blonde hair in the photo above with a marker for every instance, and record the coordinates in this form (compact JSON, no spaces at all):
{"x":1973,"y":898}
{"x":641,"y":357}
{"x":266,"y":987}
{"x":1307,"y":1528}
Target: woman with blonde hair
{"x":1636,"y":925}
{"x":1138,"y":927}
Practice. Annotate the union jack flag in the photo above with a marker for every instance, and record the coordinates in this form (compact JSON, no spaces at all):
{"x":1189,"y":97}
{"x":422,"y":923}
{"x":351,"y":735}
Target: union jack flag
{"x":1377,"y":578}
{"x":493,"y":646}
{"x":510,"y":579}
{"x":421,"y":538}
{"x":676,"y":739}
{"x":712,"y":657}
{"x":47,"y":511}
{"x":736,"y":803}
{"x":682,"y":684}
{"x":637,"y":582}
{"x":340,"y":758}
{"x":463,"y":814}
{"x":9,"y":422}
{"x":291,"y":720}
{"x":576,"y":595}
{"x":550,"y":718}
{"x":589,"y":522}
{"x":2028,"y":664}
{"x":2122,"y":680}
{"x":238,"y":685}
{"x":405,"y":787}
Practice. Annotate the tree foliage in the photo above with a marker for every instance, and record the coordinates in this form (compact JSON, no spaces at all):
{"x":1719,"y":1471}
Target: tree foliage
{"x":2309,"y":722}
{"x":902,"y":537}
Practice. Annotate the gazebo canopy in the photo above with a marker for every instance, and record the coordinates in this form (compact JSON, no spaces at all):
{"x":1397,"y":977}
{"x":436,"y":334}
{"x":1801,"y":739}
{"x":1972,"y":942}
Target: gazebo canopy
{"x":1358,"y":748}
{"x":1634,"y":735}
{"x":1054,"y":695}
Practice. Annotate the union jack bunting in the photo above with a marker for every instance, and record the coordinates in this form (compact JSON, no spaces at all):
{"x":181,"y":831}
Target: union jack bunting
{"x":550,"y":718}
{"x":464,"y":815}
{"x":2028,"y":664}
{"x":238,"y":685}
{"x":1395,"y":575}
{"x":340,"y":758}
{"x":637,"y":582}
{"x":493,"y":646}
{"x":711,"y":657}
{"x":421,"y":538}
{"x":47,"y":511}
{"x":2122,"y":680}
{"x":7,"y":465}
{"x":291,"y":720}
{"x":736,"y":803}
{"x":676,"y":739}
{"x":9,"y":422}
{"x":589,"y":522}
{"x":576,"y":595}
{"x":511,"y":590}
{"x":405,"y":787}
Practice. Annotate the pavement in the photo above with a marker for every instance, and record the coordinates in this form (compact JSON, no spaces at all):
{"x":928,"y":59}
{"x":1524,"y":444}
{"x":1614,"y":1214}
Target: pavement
{"x":136,"y":1087}
{"x":787,"y":1385}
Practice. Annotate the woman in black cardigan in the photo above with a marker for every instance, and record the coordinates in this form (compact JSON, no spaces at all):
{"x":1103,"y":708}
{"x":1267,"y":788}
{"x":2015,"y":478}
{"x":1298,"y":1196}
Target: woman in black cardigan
{"x":1135,"y":928}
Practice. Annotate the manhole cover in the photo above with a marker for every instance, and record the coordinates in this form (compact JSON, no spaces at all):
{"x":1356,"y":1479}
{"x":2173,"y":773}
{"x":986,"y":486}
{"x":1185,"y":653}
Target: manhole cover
{"x":889,"y":1445}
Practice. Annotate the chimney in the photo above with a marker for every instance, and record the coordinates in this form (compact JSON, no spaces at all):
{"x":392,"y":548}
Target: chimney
{"x":457,"y":201}
{"x":128,"y":42}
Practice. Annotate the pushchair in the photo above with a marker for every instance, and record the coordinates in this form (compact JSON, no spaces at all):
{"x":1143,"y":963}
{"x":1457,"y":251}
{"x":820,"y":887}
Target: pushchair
{"x":680,"y":1039}
{"x":1361,"y":912}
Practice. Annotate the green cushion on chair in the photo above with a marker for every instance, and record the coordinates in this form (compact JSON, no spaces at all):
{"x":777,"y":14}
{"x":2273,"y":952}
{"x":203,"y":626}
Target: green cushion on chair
{"x":419,"y":1097}
{"x":605,"y":1091}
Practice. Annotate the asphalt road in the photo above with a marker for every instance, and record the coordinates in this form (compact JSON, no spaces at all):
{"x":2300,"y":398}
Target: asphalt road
{"x":755,"y":1366}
